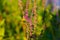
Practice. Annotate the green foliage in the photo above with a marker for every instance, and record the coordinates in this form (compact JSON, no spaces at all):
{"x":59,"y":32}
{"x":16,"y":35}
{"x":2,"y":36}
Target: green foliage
{"x":14,"y":27}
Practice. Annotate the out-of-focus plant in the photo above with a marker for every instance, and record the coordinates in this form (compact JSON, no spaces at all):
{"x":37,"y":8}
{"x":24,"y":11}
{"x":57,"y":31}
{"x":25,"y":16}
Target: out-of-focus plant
{"x":28,"y":20}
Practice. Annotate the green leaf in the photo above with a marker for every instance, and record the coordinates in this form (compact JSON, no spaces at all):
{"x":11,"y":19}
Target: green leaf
{"x":2,"y":22}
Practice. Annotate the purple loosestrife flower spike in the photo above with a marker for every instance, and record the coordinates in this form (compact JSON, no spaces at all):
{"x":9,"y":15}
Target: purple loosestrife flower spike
{"x":26,"y":16}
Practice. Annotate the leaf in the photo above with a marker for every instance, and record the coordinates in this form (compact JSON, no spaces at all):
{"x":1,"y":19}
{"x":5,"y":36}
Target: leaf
{"x":2,"y":31}
{"x":2,"y":22}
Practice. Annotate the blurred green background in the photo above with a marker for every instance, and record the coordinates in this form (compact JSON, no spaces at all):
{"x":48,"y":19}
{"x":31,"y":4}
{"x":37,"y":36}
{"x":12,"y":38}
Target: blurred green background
{"x":15,"y":24}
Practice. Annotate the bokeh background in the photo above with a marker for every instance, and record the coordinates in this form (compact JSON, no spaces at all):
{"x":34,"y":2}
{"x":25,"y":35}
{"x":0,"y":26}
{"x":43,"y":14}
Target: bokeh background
{"x":29,"y":20}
